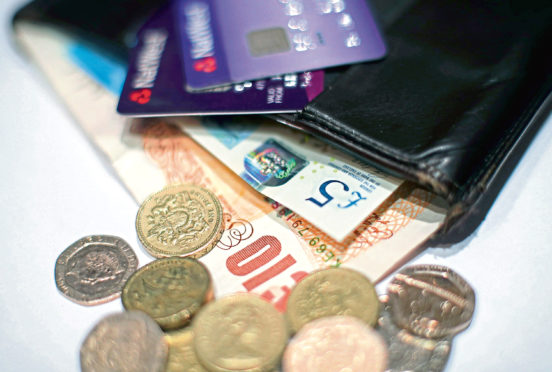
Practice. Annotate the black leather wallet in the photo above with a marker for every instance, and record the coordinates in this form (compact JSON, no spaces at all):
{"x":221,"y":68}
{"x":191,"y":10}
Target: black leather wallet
{"x":463,"y":90}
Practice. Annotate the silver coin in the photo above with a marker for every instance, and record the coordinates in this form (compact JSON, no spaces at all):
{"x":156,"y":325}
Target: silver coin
{"x":125,"y":342}
{"x":407,"y":352}
{"x":94,"y":269}
{"x":431,"y":301}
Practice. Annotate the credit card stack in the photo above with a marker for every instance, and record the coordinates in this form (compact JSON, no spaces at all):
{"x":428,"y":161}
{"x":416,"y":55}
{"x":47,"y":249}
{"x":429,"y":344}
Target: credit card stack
{"x":211,"y":57}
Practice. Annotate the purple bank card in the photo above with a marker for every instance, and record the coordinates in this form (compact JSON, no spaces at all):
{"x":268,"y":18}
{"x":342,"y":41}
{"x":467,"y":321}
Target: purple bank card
{"x":155,"y":84}
{"x":225,"y":41}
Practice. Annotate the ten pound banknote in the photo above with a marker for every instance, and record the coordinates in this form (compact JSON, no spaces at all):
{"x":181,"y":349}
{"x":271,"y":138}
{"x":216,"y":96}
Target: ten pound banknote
{"x":266,"y":248}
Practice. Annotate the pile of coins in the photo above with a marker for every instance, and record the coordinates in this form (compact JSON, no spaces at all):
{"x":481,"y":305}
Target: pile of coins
{"x":333,"y":321}
{"x":425,"y":306}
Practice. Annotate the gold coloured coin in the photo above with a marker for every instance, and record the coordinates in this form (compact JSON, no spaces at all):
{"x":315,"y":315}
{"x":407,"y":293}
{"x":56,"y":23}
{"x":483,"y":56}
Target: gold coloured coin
{"x":329,"y":292}
{"x":170,"y":290}
{"x":124,"y":342}
{"x":180,"y":220}
{"x":336,"y":343}
{"x":182,"y":355}
{"x":241,"y":332}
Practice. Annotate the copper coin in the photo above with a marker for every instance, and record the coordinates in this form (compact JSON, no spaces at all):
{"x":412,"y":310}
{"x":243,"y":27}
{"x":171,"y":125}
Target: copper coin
{"x":240,"y":332}
{"x":94,"y":269}
{"x":336,"y":344}
{"x":129,"y":341}
{"x":170,"y":290}
{"x":332,"y":292}
{"x":180,"y":220}
{"x":431,"y":301}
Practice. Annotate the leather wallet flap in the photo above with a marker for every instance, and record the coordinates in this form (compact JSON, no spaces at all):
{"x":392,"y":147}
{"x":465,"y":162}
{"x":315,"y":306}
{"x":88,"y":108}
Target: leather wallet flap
{"x":460,"y":84}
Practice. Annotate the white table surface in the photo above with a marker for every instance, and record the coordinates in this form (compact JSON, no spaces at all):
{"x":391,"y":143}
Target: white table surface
{"x":56,"y":188}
